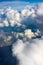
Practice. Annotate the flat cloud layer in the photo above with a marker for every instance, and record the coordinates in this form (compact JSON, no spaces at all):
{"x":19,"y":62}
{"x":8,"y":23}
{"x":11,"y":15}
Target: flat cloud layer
{"x":29,"y":52}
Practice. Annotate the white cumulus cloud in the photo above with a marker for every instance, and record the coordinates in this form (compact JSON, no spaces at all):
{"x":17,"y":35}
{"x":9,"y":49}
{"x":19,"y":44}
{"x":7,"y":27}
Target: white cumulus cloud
{"x":29,"y":33}
{"x":28,"y":15}
{"x":29,"y":52}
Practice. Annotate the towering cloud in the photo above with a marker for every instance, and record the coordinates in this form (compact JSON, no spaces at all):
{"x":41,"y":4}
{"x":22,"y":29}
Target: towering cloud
{"x":13,"y":16}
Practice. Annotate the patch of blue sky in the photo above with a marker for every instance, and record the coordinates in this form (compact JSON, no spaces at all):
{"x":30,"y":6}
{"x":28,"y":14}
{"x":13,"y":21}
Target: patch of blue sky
{"x":15,"y":5}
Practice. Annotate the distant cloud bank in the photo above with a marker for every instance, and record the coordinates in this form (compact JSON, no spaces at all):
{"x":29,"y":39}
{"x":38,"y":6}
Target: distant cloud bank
{"x":9,"y":16}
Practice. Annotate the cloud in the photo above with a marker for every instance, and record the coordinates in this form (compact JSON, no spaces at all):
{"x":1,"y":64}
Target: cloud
{"x":13,"y":16}
{"x":10,"y":17}
{"x":40,"y":9}
{"x":5,"y":23}
{"x":27,"y":25}
{"x":29,"y":52}
{"x":29,"y":15}
{"x":1,"y":25}
{"x":29,"y":34}
{"x":27,"y":11}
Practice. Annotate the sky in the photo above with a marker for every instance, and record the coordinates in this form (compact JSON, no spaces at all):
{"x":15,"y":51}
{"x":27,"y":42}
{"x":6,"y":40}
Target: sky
{"x":22,"y":0}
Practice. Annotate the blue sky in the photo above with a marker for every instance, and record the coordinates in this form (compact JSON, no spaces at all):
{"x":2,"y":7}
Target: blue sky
{"x":22,"y":0}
